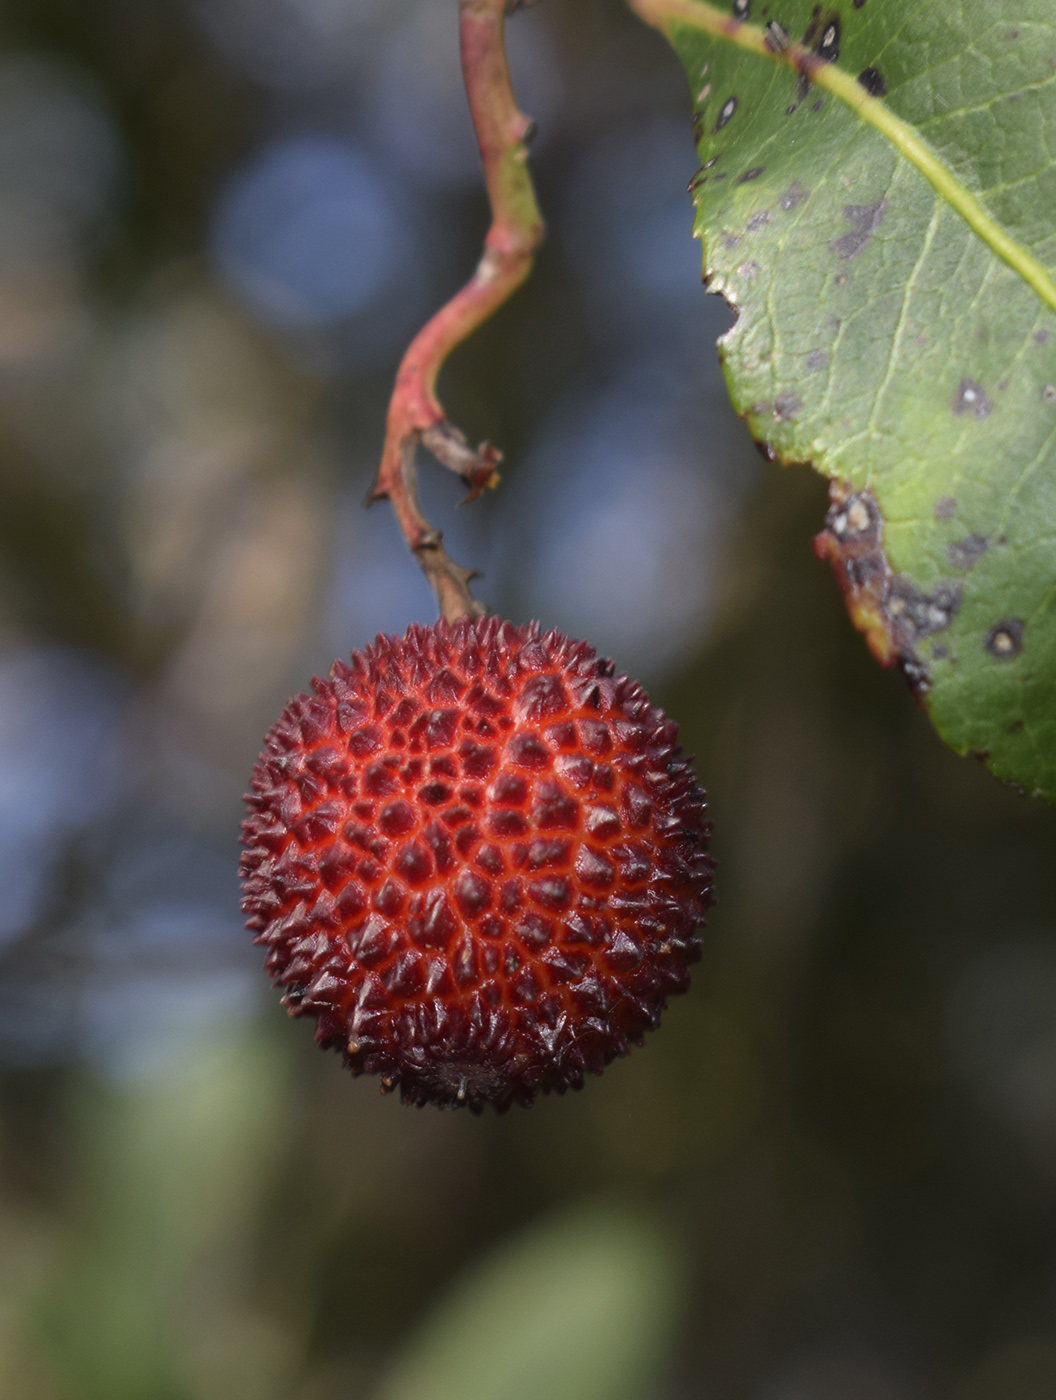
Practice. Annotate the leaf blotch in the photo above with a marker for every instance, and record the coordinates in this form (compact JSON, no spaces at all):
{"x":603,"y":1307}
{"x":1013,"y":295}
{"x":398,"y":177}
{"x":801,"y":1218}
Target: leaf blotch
{"x":945,"y":508}
{"x":1042,"y":337}
{"x":802,"y":93}
{"x":918,"y":614}
{"x":864,"y":220}
{"x":1004,"y":641}
{"x":828,"y":45}
{"x":725,"y":114}
{"x":817,"y":359}
{"x":972,"y":398}
{"x":794,"y":196}
{"x":873,"y":81}
{"x":964,"y":554}
{"x":786,"y":406}
{"x":822,"y":36}
{"x":752,"y":174}
{"x":891,"y":610}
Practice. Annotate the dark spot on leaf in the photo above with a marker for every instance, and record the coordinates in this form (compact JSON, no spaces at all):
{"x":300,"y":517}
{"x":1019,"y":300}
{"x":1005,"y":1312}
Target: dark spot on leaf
{"x":962,"y":554}
{"x":857,"y":518}
{"x":786,"y":406}
{"x":1042,"y":337}
{"x":731,"y":240}
{"x":858,"y":4}
{"x":748,"y":270}
{"x":972,"y":398}
{"x":1049,"y":393}
{"x":698,"y":179}
{"x":1015,"y":726}
{"x":752,"y":174}
{"x":872,"y":80}
{"x":818,"y":105}
{"x":709,"y":163}
{"x":916,"y":613}
{"x":841,"y":279}
{"x":802,"y":92}
{"x":916,"y":673}
{"x":795,"y":194}
{"x":775,"y":38}
{"x":891,"y":610}
{"x":939,"y":652}
{"x":725,"y":114}
{"x":817,"y":359}
{"x":828,"y":45}
{"x":1005,"y":639}
{"x":759,"y":219}
{"x":742,"y":9}
{"x":721,"y":174}
{"x":945,"y":508}
{"x":864,"y":220}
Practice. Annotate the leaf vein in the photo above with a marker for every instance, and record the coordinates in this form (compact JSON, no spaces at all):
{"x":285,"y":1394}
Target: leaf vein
{"x":668,"y":15}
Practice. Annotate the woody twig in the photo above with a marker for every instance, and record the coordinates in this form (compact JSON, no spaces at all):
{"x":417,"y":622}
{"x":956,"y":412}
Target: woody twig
{"x":415,"y":415}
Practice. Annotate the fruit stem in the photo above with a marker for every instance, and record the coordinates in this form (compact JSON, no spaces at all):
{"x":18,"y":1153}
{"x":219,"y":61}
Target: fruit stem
{"x":415,"y":414}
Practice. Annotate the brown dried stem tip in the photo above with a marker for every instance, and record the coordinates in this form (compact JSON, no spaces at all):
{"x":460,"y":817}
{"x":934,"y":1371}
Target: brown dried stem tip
{"x":415,"y":414}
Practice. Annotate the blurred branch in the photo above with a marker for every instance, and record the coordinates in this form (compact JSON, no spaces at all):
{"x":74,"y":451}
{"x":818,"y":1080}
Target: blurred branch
{"x":415,"y":414}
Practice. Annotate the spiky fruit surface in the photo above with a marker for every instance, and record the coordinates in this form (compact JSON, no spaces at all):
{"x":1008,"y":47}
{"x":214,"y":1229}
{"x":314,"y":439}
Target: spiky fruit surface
{"x":477,"y":856}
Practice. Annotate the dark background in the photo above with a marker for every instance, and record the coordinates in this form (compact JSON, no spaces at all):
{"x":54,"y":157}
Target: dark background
{"x":832,"y":1172}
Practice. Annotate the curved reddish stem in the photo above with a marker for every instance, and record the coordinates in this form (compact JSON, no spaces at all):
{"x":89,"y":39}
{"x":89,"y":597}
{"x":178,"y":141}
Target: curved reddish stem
{"x":415,"y":414}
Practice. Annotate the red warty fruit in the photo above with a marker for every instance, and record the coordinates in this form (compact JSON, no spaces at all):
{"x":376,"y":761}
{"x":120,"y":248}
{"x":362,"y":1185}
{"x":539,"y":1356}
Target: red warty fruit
{"x":478,"y":858}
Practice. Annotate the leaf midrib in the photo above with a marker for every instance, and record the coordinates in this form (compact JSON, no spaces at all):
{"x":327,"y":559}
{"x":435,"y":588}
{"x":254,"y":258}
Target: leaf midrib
{"x":666,"y":15}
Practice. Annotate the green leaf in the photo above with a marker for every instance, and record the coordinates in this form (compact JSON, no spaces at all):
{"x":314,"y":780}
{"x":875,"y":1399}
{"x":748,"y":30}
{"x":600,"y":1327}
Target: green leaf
{"x":891,"y":259}
{"x":579,"y":1308}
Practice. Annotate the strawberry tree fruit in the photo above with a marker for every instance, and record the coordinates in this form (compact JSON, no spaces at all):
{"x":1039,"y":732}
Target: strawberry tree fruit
{"x":478,"y":858}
